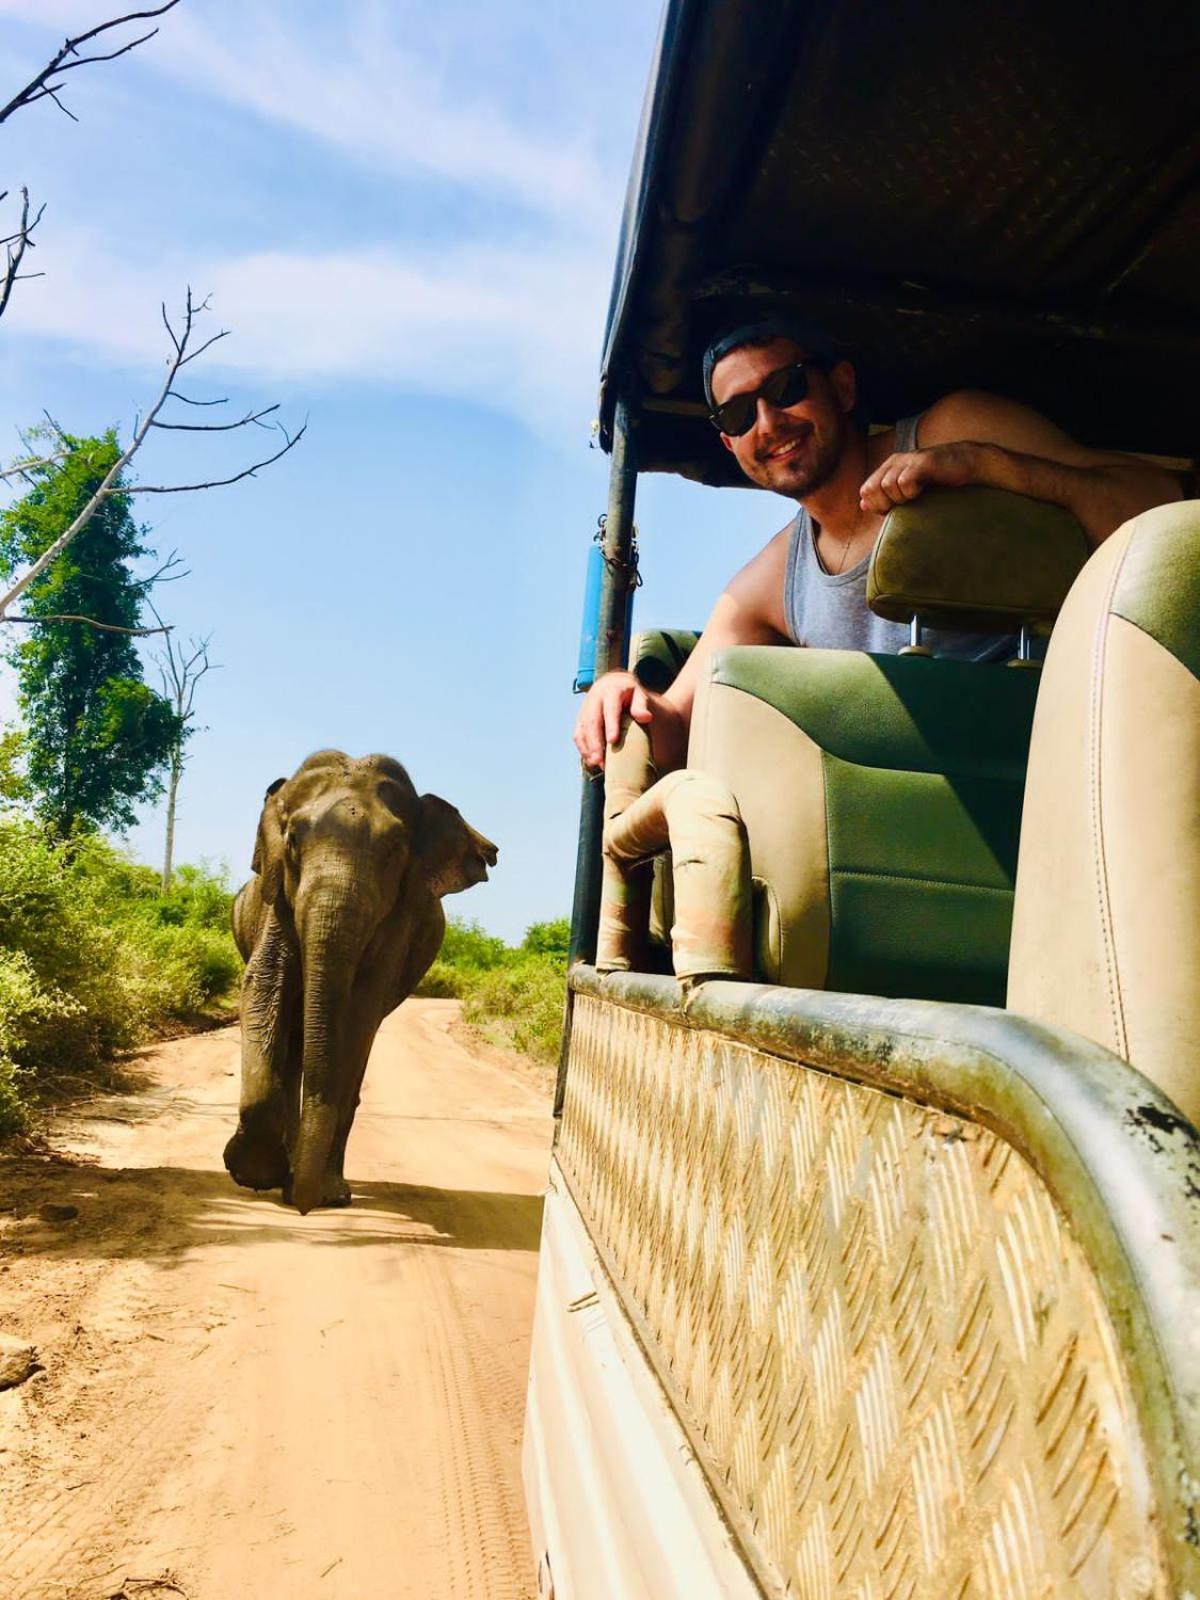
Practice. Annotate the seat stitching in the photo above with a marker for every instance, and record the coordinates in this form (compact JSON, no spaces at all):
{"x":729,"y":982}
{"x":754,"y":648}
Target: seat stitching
{"x":1094,"y":756}
{"x":918,"y":877}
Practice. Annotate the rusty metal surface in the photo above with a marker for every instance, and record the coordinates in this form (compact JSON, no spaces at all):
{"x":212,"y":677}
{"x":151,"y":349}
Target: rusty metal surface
{"x":911,"y":1366}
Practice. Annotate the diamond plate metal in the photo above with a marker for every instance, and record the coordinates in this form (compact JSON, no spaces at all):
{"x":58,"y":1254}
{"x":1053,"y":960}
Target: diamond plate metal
{"x":876,"y":1326}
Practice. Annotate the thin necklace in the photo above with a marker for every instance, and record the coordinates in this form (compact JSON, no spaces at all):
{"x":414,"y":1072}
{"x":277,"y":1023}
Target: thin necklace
{"x":832,"y":572}
{"x":842,"y":557}
{"x":850,"y":538}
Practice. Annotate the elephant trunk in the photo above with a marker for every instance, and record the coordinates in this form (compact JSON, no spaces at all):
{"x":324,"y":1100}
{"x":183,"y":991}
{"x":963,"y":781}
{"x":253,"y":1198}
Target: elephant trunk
{"x":329,"y":957}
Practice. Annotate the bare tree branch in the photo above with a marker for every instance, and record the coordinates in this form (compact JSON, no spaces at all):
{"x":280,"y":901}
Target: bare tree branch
{"x":20,"y":468}
{"x":110,"y":484}
{"x":216,"y":427}
{"x":179,"y":675}
{"x":50,"y":92}
{"x":105,"y":627}
{"x":166,"y":322}
{"x":165,"y":574}
{"x":215,"y":483}
{"x":15,"y":247}
{"x":68,"y":59}
{"x":47,"y":85}
{"x":224,"y":334}
{"x":178,"y":672}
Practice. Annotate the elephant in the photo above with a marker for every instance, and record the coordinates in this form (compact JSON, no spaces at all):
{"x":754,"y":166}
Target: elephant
{"x":341,"y":920}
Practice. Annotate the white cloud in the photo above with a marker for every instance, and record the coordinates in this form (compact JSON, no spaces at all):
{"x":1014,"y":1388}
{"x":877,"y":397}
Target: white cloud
{"x":516,"y":329}
{"x":512,"y":319}
{"x":360,"y":89}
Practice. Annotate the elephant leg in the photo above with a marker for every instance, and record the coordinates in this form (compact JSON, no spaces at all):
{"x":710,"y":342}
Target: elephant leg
{"x":335,"y":1191}
{"x":256,"y":1155}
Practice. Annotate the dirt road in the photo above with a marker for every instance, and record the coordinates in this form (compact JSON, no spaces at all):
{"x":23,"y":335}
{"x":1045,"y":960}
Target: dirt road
{"x":240,"y":1402}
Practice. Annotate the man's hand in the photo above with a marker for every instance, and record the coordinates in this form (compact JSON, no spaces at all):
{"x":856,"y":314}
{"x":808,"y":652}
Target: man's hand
{"x":1024,"y":453}
{"x":604,"y":707}
{"x":904,"y":476}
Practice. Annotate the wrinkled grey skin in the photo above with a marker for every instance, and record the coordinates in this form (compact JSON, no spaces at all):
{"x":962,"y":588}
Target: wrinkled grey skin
{"x":340,"y":922}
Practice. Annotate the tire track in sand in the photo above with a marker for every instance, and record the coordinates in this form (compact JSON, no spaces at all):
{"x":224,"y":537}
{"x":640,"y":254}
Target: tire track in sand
{"x":327,"y":1407}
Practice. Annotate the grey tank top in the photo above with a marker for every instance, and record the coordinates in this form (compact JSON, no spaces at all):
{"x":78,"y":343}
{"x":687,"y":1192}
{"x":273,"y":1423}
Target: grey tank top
{"x":828,"y":610}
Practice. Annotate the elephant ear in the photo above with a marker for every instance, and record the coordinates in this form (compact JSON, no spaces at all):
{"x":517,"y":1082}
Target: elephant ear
{"x":267,"y":859}
{"x":450,"y":854}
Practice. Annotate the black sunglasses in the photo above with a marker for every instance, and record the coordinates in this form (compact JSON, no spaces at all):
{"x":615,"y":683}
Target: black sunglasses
{"x":785,"y":387}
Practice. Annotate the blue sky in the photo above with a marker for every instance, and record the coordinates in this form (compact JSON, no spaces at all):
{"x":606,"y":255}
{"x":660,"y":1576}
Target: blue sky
{"x":407,"y":217}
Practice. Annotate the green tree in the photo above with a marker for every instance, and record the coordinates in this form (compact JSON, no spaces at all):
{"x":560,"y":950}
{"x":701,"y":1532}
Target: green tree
{"x":14,"y":786}
{"x":552,"y":939}
{"x":97,"y":736}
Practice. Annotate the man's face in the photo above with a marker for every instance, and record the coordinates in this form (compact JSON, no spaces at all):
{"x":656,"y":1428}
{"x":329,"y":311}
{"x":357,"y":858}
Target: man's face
{"x":792,"y":451}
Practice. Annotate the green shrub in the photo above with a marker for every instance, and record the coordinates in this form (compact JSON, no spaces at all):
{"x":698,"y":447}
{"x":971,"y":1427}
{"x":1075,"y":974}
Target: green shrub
{"x":13,"y":1114}
{"x":529,"y":996}
{"x":522,"y":989}
{"x":467,"y":945}
{"x":95,"y":958}
{"x":466,"y":953}
{"x":551,"y":939}
{"x":27,"y":1010}
{"x":444,"y":981}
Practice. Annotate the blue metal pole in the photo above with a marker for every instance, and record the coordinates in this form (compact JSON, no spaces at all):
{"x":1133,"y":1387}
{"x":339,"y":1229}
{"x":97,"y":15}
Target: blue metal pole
{"x":612,"y":651}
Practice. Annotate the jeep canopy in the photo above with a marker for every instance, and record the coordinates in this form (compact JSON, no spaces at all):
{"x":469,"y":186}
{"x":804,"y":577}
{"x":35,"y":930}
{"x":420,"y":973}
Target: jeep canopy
{"x":1005,"y":197}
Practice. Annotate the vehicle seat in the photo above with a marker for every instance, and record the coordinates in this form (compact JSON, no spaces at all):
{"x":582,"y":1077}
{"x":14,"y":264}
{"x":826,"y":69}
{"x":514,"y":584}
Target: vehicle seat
{"x":881,"y":795}
{"x":656,"y":655}
{"x":1106,"y":930}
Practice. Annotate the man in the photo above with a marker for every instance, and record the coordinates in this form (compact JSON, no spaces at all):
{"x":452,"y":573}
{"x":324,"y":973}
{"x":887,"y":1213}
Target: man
{"x":784,"y":404}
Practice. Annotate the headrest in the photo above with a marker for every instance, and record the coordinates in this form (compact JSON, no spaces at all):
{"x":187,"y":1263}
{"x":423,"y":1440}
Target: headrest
{"x":980,"y":560}
{"x":1158,"y":583}
{"x":656,"y":656}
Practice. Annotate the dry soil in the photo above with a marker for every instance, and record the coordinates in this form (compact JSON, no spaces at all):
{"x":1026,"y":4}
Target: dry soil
{"x":239,"y":1402}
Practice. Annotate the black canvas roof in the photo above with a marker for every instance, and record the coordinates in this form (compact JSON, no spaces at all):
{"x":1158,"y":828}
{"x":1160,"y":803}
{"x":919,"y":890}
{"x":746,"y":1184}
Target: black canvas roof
{"x":1004,"y":197}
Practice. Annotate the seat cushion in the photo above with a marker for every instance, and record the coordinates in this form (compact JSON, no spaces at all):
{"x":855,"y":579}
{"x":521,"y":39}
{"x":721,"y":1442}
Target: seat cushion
{"x":882,"y":801}
{"x":1106,"y":932}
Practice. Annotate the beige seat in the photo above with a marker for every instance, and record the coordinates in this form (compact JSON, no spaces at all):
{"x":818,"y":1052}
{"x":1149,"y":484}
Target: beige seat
{"x":878,"y":798}
{"x":1106,"y":922}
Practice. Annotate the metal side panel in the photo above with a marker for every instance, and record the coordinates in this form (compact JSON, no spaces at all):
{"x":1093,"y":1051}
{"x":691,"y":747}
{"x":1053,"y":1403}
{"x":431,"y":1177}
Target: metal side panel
{"x":921,"y":1284}
{"x":619,"y":1508}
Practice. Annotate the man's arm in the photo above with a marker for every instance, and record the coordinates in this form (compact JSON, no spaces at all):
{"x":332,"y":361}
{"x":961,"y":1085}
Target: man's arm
{"x":750,"y":611}
{"x":976,"y":438}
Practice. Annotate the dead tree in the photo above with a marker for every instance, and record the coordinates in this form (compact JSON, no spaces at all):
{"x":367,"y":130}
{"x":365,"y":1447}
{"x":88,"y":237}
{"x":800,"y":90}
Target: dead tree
{"x":180,"y":670}
{"x":48,"y":84}
{"x":15,"y":245}
{"x":182,"y":355}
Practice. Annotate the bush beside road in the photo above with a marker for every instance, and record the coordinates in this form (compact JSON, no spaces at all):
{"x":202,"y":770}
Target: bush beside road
{"x":515,"y":993}
{"x":95,"y":959}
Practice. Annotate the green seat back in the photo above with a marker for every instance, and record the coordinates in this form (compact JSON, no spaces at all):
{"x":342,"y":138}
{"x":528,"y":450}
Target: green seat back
{"x":922,"y":764}
{"x":656,"y":656}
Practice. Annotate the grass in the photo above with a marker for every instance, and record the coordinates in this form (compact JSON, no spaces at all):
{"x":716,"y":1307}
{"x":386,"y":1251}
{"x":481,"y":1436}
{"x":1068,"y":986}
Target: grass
{"x":95,"y":959}
{"x":517,"y":993}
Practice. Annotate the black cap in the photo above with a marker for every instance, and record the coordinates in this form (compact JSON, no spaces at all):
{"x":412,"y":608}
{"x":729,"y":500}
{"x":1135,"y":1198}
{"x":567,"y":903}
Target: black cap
{"x":780,"y":326}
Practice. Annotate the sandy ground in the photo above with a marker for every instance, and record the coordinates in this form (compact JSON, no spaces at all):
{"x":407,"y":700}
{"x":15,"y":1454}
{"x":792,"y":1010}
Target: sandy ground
{"x":240,"y":1402}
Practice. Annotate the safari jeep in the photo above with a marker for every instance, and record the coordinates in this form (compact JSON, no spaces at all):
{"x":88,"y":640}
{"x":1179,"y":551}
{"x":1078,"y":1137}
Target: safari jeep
{"x":870,"y":1265}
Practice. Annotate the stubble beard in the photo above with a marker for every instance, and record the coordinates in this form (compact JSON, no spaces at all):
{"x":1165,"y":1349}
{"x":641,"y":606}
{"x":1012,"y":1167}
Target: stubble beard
{"x":803,"y":475}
